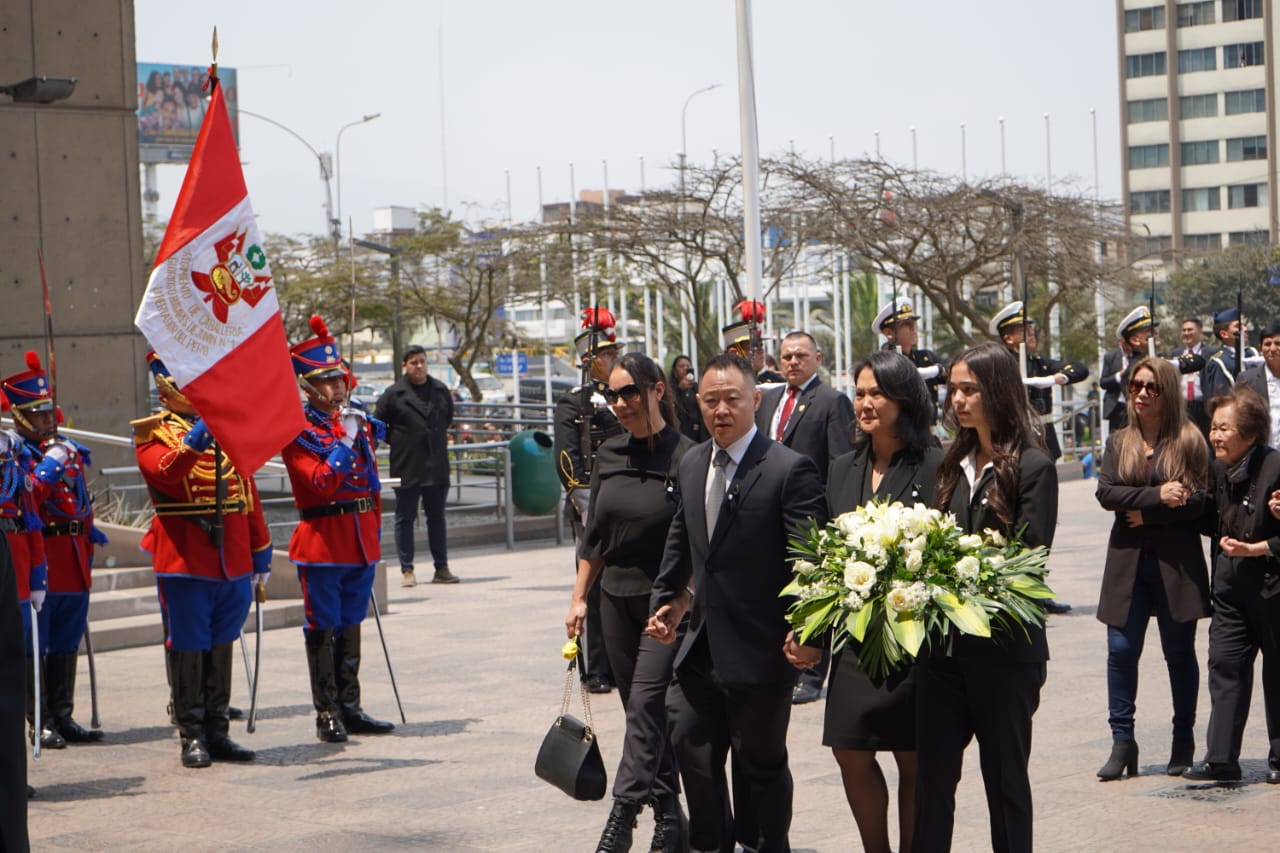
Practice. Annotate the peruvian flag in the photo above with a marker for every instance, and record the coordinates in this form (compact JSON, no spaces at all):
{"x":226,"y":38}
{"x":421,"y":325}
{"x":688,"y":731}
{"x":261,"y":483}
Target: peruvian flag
{"x":210,"y":309}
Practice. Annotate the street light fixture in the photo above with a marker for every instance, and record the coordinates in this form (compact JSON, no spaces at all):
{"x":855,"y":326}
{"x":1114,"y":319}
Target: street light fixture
{"x":40,"y":90}
{"x":684,"y":111}
{"x":393,"y":255}
{"x":326,"y":170}
{"x":338,"y":152}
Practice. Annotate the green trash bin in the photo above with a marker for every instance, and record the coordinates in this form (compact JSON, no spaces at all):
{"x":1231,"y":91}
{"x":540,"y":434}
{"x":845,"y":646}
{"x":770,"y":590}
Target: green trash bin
{"x":535,"y":488}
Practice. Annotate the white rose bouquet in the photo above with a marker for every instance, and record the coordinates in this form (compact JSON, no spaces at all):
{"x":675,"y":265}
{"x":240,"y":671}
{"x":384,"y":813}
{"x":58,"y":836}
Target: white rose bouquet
{"x":893,"y":577}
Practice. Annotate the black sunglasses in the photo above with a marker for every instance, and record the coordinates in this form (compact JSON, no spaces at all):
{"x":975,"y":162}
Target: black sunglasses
{"x":1150,"y":387}
{"x":630,"y":392}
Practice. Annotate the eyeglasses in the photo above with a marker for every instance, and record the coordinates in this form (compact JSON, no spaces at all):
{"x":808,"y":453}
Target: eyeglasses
{"x":630,"y":393}
{"x":1150,"y":387}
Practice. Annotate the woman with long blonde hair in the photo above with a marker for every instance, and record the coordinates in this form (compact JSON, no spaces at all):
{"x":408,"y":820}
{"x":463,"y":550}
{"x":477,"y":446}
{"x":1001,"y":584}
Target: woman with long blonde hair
{"x":1153,"y":476}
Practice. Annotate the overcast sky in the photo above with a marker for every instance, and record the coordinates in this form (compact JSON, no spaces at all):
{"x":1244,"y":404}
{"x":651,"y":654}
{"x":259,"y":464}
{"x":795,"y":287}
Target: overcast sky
{"x":546,"y":83}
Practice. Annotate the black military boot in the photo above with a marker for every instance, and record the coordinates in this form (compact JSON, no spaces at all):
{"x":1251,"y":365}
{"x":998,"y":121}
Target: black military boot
{"x":217,"y":697}
{"x":49,"y":737}
{"x":347,"y":653}
{"x":187,"y":670}
{"x":62,"y":699}
{"x":324,"y":686}
{"x":616,"y":837}
{"x":670,"y":826}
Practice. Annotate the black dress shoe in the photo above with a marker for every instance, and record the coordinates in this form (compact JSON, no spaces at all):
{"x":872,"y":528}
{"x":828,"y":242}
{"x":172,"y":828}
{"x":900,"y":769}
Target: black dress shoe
{"x":329,"y":728}
{"x":805,"y":693}
{"x":50,"y":739}
{"x":234,"y":713}
{"x":225,"y":749}
{"x":1209,"y":772}
{"x":360,"y":723}
{"x":195,"y":753}
{"x":73,"y":732}
{"x":596,"y":684}
{"x":31,"y":793}
{"x":1273,"y":776}
{"x":1056,"y":607}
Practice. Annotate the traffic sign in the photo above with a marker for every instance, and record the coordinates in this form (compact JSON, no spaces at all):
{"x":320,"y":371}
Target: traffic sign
{"x":502,"y":364}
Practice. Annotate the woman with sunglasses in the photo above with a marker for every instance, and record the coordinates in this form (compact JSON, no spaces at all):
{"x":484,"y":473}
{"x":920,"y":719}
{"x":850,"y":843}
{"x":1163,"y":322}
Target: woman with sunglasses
{"x":996,"y":475}
{"x":633,"y":498}
{"x":1243,"y":476}
{"x":1153,"y":477}
{"x":894,"y":458}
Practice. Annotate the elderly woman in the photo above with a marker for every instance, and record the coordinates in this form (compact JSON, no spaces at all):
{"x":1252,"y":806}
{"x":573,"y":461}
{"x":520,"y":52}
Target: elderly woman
{"x":1246,"y":580}
{"x":633,"y":497}
{"x":1154,"y":478}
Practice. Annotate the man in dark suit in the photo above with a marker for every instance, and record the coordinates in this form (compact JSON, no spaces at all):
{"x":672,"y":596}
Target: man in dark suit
{"x":1193,"y":383}
{"x":1134,"y":333}
{"x":418,"y":410}
{"x":813,"y":419}
{"x":1265,"y":379}
{"x":743,"y":497}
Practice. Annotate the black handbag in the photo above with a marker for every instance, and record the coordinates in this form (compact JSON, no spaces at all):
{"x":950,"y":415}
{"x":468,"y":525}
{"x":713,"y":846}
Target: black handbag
{"x":569,"y":757}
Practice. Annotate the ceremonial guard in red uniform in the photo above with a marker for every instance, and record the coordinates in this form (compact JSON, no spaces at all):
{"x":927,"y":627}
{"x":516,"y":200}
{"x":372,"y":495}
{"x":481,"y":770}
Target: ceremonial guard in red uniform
{"x":20,"y":522}
{"x":209,"y":544}
{"x":336,"y":544}
{"x":57,"y":465}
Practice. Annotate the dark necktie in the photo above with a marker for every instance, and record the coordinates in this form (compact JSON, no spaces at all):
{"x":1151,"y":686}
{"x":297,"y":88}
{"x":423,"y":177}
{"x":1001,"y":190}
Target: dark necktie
{"x":787,"y":408}
{"x":716,"y":498}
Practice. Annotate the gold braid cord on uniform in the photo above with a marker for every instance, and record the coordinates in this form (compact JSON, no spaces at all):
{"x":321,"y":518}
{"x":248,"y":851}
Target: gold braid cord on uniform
{"x":571,"y":480}
{"x":200,"y":484}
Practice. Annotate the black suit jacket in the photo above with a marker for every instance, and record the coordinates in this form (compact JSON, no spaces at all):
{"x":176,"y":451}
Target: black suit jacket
{"x":907,"y":480}
{"x":417,"y":431}
{"x":1256,"y":378}
{"x":1113,"y":363}
{"x":737,"y":575}
{"x":1037,"y":509}
{"x":1239,"y":510}
{"x":818,"y":426}
{"x":1171,"y":535}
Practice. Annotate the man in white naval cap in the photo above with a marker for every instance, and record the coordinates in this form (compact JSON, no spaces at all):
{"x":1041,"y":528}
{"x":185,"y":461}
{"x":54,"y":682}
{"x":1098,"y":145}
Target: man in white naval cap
{"x":897,"y":322}
{"x":1134,"y":333}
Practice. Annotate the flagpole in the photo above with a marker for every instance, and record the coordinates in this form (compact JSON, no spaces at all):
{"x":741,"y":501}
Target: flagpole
{"x":750,"y":152}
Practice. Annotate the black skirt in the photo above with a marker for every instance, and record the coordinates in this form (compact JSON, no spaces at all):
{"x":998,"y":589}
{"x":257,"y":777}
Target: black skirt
{"x":869,"y":714}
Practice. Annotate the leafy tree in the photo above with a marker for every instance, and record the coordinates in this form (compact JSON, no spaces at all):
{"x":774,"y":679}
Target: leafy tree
{"x":1212,"y":283}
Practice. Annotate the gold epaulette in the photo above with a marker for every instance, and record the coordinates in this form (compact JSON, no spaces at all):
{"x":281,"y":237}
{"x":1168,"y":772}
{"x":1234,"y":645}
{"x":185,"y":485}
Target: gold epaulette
{"x":144,"y":428}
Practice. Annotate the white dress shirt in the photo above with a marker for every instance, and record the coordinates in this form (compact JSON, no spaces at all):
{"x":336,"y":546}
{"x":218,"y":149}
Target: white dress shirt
{"x":1273,"y":401}
{"x":777,"y":412}
{"x":736,"y":451}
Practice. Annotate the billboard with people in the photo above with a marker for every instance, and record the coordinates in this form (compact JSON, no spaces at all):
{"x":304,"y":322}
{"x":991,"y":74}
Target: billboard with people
{"x":171,"y":104}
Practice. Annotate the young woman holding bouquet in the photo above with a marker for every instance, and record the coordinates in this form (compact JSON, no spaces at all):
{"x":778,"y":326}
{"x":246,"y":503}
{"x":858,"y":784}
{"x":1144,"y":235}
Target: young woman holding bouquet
{"x":1154,"y":475}
{"x":894,"y":459}
{"x":632,"y":501}
{"x":995,"y":475}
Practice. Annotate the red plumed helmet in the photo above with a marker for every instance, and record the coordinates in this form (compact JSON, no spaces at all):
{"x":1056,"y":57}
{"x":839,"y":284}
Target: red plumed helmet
{"x":750,"y":311}
{"x":4,"y":402}
{"x":319,"y":327}
{"x":600,"y":318}
{"x":33,"y":360}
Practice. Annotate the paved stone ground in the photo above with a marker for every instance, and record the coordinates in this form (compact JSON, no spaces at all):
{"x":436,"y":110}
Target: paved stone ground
{"x":480,"y":677}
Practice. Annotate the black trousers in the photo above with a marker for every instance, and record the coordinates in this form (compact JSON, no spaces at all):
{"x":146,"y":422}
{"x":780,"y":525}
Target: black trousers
{"x":593,"y":659}
{"x":642,"y":669}
{"x":13,"y":679}
{"x":1244,"y":623}
{"x":433,"y":500}
{"x":957,"y":700}
{"x":710,"y":718}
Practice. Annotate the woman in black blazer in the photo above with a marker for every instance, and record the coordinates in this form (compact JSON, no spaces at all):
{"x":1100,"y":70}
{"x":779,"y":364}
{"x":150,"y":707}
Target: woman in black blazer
{"x":1243,"y":476}
{"x":895,"y":458}
{"x":1154,"y":476}
{"x":996,"y":475}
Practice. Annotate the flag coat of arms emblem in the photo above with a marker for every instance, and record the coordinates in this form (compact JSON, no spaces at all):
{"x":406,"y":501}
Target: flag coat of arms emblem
{"x":210,"y":309}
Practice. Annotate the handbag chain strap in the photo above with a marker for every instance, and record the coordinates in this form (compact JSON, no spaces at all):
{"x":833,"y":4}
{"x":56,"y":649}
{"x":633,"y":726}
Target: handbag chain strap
{"x":568,"y":696}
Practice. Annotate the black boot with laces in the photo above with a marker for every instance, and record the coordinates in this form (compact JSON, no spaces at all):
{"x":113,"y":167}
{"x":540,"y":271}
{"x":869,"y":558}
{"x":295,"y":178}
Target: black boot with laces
{"x":616,"y":837}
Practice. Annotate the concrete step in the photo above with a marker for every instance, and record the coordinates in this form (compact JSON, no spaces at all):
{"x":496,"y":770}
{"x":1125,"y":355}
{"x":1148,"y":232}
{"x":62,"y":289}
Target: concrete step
{"x":129,"y":577}
{"x":144,"y":629}
{"x":117,"y":603}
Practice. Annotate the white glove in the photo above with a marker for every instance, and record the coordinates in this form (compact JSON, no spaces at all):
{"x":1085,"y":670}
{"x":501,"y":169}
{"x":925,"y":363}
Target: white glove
{"x":37,"y":598}
{"x":60,"y":452}
{"x":581,"y":499}
{"x":352,"y":421}
{"x":1040,"y":381}
{"x":1253,"y":360}
{"x":260,"y":579}
{"x":928,"y":372}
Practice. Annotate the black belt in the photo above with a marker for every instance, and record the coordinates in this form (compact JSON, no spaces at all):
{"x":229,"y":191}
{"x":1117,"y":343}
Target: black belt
{"x":337,"y":508}
{"x":70,"y":528}
{"x":198,"y":509}
{"x":8,"y":525}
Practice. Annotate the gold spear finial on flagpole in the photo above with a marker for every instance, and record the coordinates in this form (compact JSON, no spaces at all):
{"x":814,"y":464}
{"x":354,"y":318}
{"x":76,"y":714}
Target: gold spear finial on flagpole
{"x":214,"y":68}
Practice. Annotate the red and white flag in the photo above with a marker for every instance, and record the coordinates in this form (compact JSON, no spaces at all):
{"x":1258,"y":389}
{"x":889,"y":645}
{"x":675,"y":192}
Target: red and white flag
{"x":210,"y":310}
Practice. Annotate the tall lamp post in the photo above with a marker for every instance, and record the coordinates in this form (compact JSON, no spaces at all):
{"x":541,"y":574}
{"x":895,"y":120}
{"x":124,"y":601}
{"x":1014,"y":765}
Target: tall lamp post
{"x":393,"y":254}
{"x":684,"y":112}
{"x":326,"y":170}
{"x":338,"y":160}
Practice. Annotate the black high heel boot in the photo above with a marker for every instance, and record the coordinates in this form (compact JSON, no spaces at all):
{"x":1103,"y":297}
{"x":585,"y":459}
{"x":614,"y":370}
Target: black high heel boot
{"x":616,"y":837}
{"x":1124,"y":756}
{"x":1182,"y":755}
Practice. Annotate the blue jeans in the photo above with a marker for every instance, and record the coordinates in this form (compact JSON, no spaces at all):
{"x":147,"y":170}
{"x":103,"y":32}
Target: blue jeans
{"x":433,"y":500}
{"x":1124,"y":648}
